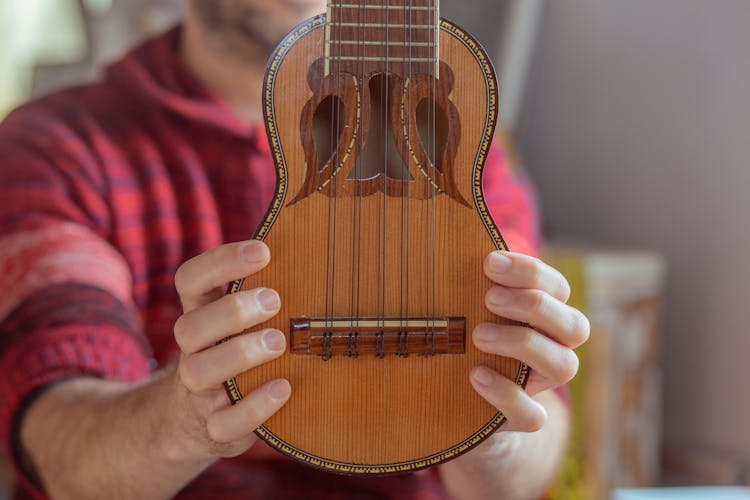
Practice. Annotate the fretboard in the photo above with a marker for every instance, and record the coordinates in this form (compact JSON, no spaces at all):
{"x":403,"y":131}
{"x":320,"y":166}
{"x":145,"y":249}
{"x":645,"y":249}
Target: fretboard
{"x":398,"y":36}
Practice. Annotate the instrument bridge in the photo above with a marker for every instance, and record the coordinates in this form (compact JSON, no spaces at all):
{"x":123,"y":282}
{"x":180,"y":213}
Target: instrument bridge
{"x":379,"y":336}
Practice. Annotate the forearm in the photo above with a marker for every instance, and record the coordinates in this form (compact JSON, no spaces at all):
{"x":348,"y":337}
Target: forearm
{"x":90,"y":438}
{"x":515,"y":465}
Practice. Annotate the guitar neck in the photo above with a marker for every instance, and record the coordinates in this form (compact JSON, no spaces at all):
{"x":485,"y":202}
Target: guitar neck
{"x":396,"y":36}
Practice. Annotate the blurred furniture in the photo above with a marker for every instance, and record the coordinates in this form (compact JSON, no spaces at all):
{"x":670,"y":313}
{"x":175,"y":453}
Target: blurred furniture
{"x":616,"y":395}
{"x":693,"y":464}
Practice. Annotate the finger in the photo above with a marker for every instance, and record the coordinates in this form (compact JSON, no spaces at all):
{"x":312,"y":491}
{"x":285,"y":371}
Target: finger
{"x":205,"y":370}
{"x":234,"y":313}
{"x":241,"y":419}
{"x":197,"y":279}
{"x":523,"y":271}
{"x":524,"y":414}
{"x":556,"y":364}
{"x":543,"y":312}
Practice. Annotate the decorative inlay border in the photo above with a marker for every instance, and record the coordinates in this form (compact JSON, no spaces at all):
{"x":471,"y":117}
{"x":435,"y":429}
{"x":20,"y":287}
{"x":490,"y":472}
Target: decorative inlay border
{"x":281,"y":187}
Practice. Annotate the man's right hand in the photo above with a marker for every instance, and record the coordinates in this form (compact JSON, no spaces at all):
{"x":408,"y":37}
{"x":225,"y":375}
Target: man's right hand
{"x":210,"y":425}
{"x":94,"y":438}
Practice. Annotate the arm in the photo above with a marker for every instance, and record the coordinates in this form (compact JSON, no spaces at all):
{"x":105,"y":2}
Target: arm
{"x":91,"y":438}
{"x":522,"y":459}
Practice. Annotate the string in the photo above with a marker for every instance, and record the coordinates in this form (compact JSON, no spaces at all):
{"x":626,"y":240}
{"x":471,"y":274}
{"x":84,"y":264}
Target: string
{"x":330,"y":59}
{"x":404,"y":186}
{"x":431,"y":147}
{"x":336,"y":105}
{"x":384,"y":222}
{"x":426,"y":222}
{"x":363,"y":18}
{"x":356,"y":244}
{"x":434,"y":33}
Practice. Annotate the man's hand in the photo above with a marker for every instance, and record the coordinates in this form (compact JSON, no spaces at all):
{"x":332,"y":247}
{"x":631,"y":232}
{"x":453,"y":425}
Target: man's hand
{"x":531,"y":292}
{"x":94,"y":438}
{"x":521,"y":460}
{"x":213,"y":426}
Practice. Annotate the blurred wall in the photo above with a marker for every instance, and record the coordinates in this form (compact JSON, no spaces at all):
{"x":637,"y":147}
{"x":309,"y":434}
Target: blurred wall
{"x":636,"y":127}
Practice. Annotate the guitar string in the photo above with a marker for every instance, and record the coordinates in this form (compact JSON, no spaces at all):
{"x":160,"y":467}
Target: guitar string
{"x":336,"y":128}
{"x":363,"y":86}
{"x":436,"y":151}
{"x":406,"y":158}
{"x":427,"y":217}
{"x":356,"y":207}
{"x":386,"y":121}
{"x":431,"y":209}
{"x":433,"y":155}
{"x":384,"y":222}
{"x":401,"y":222}
{"x":329,"y":165}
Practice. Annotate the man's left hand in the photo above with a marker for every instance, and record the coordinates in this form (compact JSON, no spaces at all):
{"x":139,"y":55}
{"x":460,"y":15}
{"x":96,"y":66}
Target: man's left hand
{"x":531,"y":292}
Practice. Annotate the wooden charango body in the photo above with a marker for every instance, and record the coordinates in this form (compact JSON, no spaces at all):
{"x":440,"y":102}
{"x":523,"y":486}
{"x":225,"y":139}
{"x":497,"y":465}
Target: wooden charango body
{"x":380,"y":275}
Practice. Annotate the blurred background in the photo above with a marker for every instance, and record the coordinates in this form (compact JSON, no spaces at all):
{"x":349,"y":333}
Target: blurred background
{"x":633,"y":119}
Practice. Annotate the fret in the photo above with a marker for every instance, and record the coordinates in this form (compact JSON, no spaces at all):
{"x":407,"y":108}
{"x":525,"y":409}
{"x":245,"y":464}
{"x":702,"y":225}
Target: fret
{"x":383,"y":25}
{"x":391,"y":43}
{"x":381,"y":59}
{"x":386,"y":7}
{"x":360,"y":37}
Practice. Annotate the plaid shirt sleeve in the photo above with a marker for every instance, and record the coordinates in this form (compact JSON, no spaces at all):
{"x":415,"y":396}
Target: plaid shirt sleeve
{"x":65,"y":306}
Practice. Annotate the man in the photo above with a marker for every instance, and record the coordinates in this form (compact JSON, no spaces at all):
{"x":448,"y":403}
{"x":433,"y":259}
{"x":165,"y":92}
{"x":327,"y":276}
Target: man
{"x":111,"y":379}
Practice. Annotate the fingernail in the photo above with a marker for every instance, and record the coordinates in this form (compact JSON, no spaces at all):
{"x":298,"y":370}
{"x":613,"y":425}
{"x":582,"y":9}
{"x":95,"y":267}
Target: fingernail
{"x":482,"y":375}
{"x":254,"y":251}
{"x":269,"y":300}
{"x":485,"y":333}
{"x":500,"y":262}
{"x":499,"y":295}
{"x":274,"y":340}
{"x":279,"y":390}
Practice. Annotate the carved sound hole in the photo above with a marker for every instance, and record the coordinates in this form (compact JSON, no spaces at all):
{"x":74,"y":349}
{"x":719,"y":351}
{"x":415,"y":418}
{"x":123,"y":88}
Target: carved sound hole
{"x":380,"y":154}
{"x":327,"y":123}
{"x":379,"y":133}
{"x":432,"y":125}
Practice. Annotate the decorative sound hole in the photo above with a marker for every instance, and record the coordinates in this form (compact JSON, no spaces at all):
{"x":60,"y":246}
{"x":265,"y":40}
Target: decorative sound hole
{"x":327,"y":124}
{"x":380,"y":154}
{"x":379,"y":132}
{"x":432,"y":125}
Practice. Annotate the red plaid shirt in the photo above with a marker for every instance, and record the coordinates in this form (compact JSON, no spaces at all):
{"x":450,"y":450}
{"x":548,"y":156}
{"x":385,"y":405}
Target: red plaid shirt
{"x":104,"y":191}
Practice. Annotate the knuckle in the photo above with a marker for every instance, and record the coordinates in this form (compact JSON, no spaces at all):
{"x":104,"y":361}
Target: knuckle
{"x":537,"y":273}
{"x":181,"y":281}
{"x":513,"y":399}
{"x":526,"y":341}
{"x":248,"y":349}
{"x":215,"y":431}
{"x":255,"y":412}
{"x":533,"y":421}
{"x":189,"y":375}
{"x":182,"y":333}
{"x":538,"y":302}
{"x":238,"y":308}
{"x":214,"y":254}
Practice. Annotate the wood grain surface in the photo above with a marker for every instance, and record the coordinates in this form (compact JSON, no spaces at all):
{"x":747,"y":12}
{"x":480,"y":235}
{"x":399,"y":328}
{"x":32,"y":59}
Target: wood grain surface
{"x":380,"y":255}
